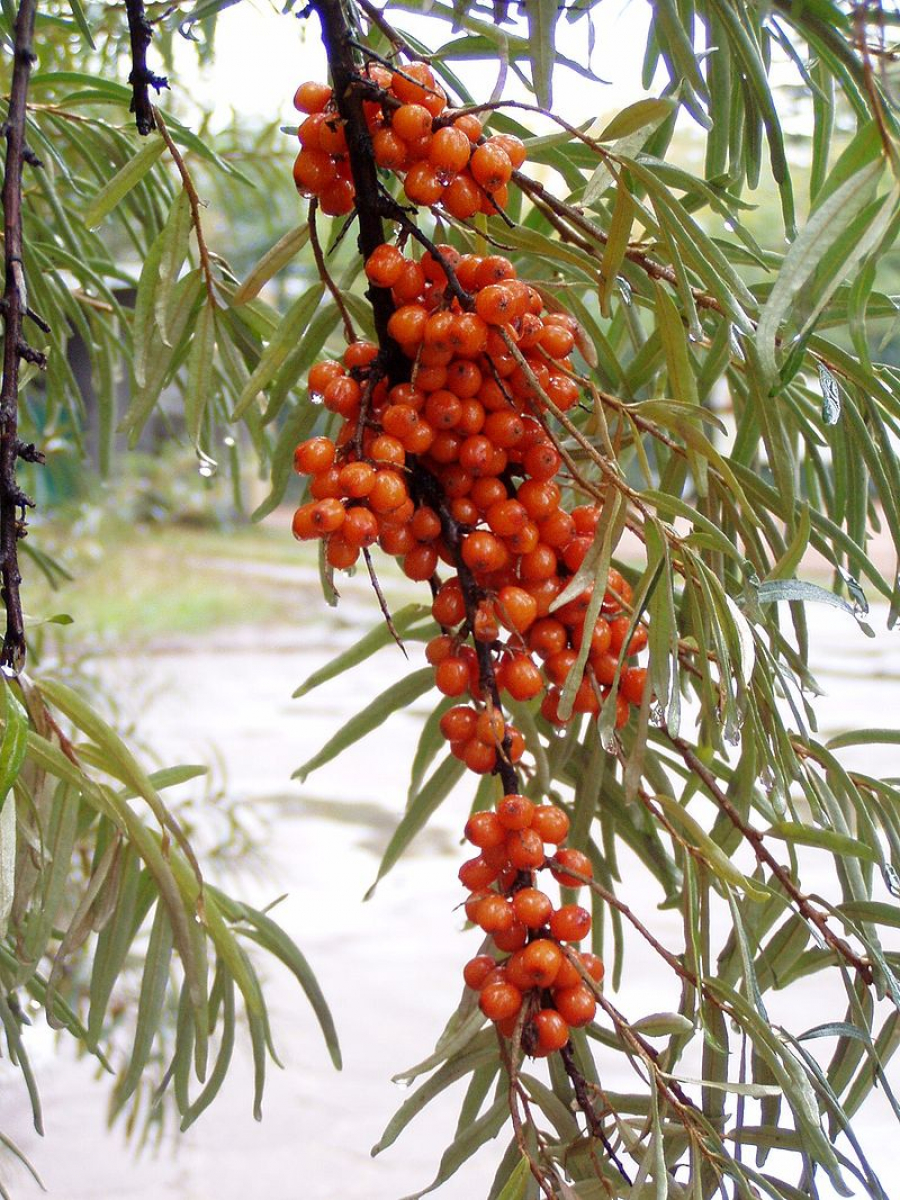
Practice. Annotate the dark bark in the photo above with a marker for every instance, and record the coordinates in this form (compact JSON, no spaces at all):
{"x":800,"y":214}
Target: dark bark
{"x":13,"y":501}
{"x":142,"y":79}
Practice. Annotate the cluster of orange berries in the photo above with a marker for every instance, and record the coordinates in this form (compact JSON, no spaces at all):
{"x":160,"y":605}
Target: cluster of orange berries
{"x":443,"y":156}
{"x":470,"y":415}
{"x":523,"y":923}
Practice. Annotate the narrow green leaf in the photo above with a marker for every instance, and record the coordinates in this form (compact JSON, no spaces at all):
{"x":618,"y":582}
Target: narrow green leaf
{"x":541,"y":16}
{"x":637,"y":116}
{"x":200,"y":372}
{"x":836,"y":843}
{"x":398,"y":695}
{"x":404,"y":619}
{"x":282,"y":342}
{"x":431,"y":796}
{"x":175,"y":237}
{"x":719,"y":863}
{"x":276,"y":257}
{"x":123,"y":181}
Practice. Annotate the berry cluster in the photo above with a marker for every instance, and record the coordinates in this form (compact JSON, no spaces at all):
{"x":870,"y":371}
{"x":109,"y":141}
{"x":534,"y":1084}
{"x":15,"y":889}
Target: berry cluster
{"x":443,"y":156}
{"x":470,"y":417}
{"x":523,"y":923}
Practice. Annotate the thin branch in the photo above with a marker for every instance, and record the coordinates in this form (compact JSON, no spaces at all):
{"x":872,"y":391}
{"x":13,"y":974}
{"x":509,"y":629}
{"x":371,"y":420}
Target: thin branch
{"x":349,"y":332}
{"x":757,"y":841}
{"x":595,"y":1125}
{"x":13,"y":500}
{"x":195,"y":203}
{"x":141,"y":77}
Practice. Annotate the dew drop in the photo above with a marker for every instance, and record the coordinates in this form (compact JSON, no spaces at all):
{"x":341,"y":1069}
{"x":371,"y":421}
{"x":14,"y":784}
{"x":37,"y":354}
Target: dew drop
{"x":228,"y":441}
{"x":733,"y":733}
{"x":624,"y":288}
{"x":767,"y":778}
{"x":609,"y":741}
{"x":656,"y":715}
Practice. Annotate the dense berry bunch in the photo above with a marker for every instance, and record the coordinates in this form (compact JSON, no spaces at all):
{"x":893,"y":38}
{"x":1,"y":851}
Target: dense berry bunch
{"x":443,"y":156}
{"x":472,"y":418}
{"x":540,"y":973}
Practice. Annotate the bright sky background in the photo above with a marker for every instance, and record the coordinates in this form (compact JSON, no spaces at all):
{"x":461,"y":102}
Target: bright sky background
{"x":262,"y":55}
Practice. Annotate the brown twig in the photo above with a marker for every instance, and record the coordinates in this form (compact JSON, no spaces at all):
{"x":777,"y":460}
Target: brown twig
{"x":13,"y":500}
{"x":594,"y":1123}
{"x":195,"y":203}
{"x":141,"y":77}
{"x":324,"y":274}
{"x":756,"y":839}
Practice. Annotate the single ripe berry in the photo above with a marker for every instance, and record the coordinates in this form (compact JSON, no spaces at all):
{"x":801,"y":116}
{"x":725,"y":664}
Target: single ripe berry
{"x":384,"y":266}
{"x":476,"y":873}
{"x":532,"y":907}
{"x":500,"y":1000}
{"x":515,"y":812}
{"x":570,"y":923}
{"x":576,"y":1005}
{"x":540,"y":961}
{"x":314,"y":455}
{"x":525,"y":849}
{"x":494,"y":914}
{"x":575,"y":861}
{"x":477,"y":969}
{"x":594,"y":966}
{"x":551,"y":1030}
{"x":551,"y":823}
{"x":483,"y":829}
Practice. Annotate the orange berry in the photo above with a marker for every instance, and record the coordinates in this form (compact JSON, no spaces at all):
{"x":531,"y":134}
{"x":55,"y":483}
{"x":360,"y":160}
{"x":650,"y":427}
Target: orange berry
{"x":452,"y":677}
{"x":313,"y":171}
{"x":476,"y":873}
{"x":407,"y":324}
{"x":470,"y":125}
{"x":396,"y":540}
{"x":532,"y":907}
{"x":312,"y":97}
{"x":513,"y":938}
{"x":389,"y":149}
{"x":515,"y":608}
{"x":411,"y":122}
{"x":519,"y":676}
{"x":448,"y":607}
{"x":388,"y":491}
{"x":483,"y":829}
{"x":478,"y":757}
{"x":515,"y":811}
{"x":420,"y":563}
{"x":573,"y":860}
{"x":458,"y":724}
{"x":314,"y":455}
{"x":490,"y":166}
{"x":449,"y":150}
{"x":360,"y":528}
{"x":339,"y":553}
{"x":422,"y":184}
{"x":576,"y":1005}
{"x":337,"y":198}
{"x":570,"y":923}
{"x":356,"y":479}
{"x":551,"y":823}
{"x":540,"y":961}
{"x":483,"y":553}
{"x":494,"y":914}
{"x":384,"y":265}
{"x":551,"y":1030}
{"x":513,"y":146}
{"x":525,"y":849}
{"x":500,"y":1000}
{"x":494,"y":304}
{"x":632,"y":683}
{"x":594,"y":966}
{"x":477,"y":969}
{"x":462,"y":197}
{"x":413,"y":82}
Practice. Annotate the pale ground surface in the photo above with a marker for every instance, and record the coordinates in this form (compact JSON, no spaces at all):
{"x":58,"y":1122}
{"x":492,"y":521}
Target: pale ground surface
{"x":390,"y":968}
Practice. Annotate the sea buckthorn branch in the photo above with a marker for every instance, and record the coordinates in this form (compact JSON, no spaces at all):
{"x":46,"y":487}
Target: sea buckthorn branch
{"x":350,"y":333}
{"x":586,"y":1104}
{"x":195,"y":203}
{"x":141,"y":77}
{"x":13,"y":501}
{"x":756,"y":839}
